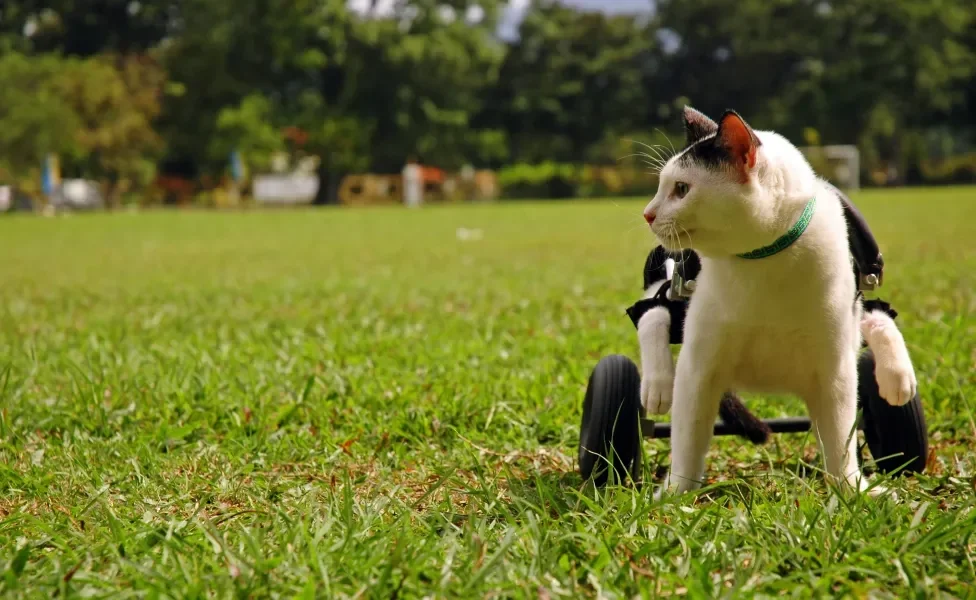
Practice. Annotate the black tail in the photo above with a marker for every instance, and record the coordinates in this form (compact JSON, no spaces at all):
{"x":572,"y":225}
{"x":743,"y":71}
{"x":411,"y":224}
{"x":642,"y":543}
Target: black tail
{"x":735,"y":414}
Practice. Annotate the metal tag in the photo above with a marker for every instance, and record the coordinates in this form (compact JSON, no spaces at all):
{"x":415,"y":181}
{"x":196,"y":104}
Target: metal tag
{"x":868,"y":282}
{"x":681,"y":288}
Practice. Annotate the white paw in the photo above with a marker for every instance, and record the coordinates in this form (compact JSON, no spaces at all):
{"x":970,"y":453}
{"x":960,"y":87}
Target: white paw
{"x":858,"y":483}
{"x":665,"y":490}
{"x":875,"y":490}
{"x":674,"y":485}
{"x":656,"y":394}
{"x":896,"y":382}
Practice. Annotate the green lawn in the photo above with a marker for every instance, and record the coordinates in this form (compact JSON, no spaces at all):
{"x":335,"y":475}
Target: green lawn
{"x":344,"y":403}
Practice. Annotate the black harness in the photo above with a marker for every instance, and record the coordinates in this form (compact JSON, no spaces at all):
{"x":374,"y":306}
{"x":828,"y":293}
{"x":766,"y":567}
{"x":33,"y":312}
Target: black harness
{"x":868,"y":266}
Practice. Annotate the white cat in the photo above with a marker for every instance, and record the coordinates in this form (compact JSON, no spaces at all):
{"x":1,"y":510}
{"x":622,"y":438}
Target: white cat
{"x":784,"y":319}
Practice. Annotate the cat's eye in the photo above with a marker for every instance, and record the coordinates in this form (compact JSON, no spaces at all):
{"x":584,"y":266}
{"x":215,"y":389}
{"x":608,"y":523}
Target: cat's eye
{"x":680,"y":189}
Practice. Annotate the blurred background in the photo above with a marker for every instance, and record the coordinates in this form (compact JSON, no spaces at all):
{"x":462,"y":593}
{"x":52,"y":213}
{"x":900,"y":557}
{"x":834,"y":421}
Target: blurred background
{"x":222,"y":103}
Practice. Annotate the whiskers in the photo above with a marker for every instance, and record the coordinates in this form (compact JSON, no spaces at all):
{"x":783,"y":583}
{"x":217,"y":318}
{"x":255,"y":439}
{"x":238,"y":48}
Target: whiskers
{"x":656,"y":156}
{"x":631,"y":217}
{"x":669,"y":235}
{"x":691,"y":245}
{"x":655,"y":163}
{"x":674,"y":236}
{"x":673,"y":151}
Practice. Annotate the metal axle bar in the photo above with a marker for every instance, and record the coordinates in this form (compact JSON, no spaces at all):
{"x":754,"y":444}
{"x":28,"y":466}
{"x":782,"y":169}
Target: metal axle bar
{"x":651,"y":429}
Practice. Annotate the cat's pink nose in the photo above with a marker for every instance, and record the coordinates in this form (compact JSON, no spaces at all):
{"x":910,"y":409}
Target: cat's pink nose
{"x":649,"y":217}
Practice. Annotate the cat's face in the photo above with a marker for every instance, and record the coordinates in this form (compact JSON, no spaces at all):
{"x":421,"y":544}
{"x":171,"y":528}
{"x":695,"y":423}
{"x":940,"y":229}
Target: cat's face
{"x":703,"y":197}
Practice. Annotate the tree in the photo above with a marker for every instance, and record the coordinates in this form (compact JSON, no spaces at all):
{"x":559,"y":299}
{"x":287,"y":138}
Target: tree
{"x":248,"y":128}
{"x":760,"y":58}
{"x":96,"y":116}
{"x":367,"y":91}
{"x":116,"y":100}
{"x":34,"y":120}
{"x":870,"y":72}
{"x":571,"y":79}
{"x":87,"y":28}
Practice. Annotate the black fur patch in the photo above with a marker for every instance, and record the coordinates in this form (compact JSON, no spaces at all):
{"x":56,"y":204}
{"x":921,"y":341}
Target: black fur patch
{"x":686,"y":262}
{"x":707,"y":153}
{"x":881,"y":305}
{"x":654,"y":266}
{"x":676,"y":309}
{"x":689,"y":265}
{"x":697,"y":125}
{"x":713,"y":152}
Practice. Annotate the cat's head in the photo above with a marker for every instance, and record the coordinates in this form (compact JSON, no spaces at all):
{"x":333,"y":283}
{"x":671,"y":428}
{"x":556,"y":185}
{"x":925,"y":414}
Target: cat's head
{"x":713,"y":194}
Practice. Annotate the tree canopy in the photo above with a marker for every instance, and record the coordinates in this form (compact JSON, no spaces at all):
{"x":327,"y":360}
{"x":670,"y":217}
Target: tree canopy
{"x":122,"y":88}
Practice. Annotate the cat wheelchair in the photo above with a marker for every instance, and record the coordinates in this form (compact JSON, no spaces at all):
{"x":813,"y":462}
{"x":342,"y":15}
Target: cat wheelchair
{"x":614,"y":422}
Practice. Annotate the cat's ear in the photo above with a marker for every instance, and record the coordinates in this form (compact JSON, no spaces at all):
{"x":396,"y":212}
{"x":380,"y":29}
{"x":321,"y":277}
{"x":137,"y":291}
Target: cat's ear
{"x":697,"y":125}
{"x":739,"y":140}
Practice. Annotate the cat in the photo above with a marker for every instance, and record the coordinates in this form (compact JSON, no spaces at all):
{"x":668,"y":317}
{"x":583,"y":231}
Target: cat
{"x":782,"y":319}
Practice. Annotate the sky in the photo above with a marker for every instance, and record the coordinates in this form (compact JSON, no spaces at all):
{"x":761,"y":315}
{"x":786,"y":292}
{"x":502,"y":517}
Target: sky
{"x":613,"y":6}
{"x":515,"y":10}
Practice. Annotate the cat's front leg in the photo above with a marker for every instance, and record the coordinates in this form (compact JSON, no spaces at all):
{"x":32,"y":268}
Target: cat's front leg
{"x":832,"y":404}
{"x":698,"y":389}
{"x":657,"y":365}
{"x":892,"y":365}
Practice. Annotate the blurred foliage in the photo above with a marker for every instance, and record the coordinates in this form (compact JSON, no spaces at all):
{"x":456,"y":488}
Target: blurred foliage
{"x":96,"y":114}
{"x":365,"y":93}
{"x":116,"y":99}
{"x":562,"y":180}
{"x":247,"y":128}
{"x":121,"y":89}
{"x":34,"y":119}
{"x":956,"y":169}
{"x":570,"y":80}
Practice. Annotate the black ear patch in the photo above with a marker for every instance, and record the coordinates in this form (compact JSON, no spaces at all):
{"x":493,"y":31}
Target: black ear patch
{"x":708,"y":154}
{"x":732,"y":147}
{"x":697,"y":125}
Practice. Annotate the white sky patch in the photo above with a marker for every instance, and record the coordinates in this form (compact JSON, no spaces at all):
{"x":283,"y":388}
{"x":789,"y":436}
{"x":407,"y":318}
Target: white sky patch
{"x":383,"y":8}
{"x":474,"y":14}
{"x":511,"y":18}
{"x":512,"y":13}
{"x":446,"y":14}
{"x":613,"y":6}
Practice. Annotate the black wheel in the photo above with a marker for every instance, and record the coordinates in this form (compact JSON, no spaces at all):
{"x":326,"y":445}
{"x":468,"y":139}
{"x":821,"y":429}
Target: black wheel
{"x":896,"y":435}
{"x":610,"y":430}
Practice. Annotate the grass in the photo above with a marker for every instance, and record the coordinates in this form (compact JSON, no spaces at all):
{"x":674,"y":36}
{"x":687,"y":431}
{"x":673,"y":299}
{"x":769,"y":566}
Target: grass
{"x":357,"y":403}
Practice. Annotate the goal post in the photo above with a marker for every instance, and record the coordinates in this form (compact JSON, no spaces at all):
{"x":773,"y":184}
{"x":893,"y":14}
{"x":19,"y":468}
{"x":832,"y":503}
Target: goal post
{"x":840,"y":164}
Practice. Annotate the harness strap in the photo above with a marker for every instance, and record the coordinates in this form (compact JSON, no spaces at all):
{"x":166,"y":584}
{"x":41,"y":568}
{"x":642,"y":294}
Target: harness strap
{"x":868,"y":263}
{"x":676,"y":309}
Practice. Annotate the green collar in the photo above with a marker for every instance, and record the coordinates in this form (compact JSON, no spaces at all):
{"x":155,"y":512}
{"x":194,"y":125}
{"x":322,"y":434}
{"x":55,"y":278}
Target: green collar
{"x":786,"y":240}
